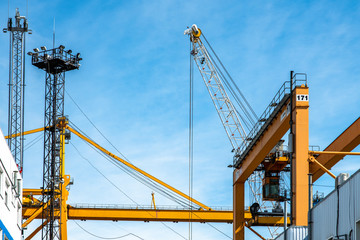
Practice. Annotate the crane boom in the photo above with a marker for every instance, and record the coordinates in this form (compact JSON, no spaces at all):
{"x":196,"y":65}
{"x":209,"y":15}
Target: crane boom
{"x":224,"y":107}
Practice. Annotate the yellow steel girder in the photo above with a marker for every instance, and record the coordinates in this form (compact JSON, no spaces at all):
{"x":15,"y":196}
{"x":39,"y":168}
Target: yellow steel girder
{"x":162,"y":215}
{"x":345,"y":142}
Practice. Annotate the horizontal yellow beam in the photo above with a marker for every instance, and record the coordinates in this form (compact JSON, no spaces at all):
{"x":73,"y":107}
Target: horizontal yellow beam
{"x":148,"y":215}
{"x":32,"y":191}
{"x":26,"y":133}
{"x":334,"y":153}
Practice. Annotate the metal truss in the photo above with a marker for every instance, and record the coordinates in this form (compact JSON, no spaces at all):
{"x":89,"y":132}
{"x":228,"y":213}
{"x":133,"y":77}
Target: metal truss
{"x":219,"y":97}
{"x":55,"y":63}
{"x":17,"y":30}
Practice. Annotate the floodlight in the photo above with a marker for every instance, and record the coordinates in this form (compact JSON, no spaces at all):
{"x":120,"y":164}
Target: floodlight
{"x":69,"y":51}
{"x":78,"y":55}
{"x":36,"y":50}
{"x":30,"y":53}
{"x":62,"y":47}
{"x":43,"y":48}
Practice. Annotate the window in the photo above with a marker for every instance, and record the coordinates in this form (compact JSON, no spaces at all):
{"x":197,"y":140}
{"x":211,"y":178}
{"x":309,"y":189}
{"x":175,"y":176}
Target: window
{"x":6,"y":198}
{"x":7,"y":185}
{"x":18,"y":187}
{"x":19,"y":213}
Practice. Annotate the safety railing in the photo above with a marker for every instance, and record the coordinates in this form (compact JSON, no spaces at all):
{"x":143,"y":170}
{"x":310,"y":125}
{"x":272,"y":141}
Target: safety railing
{"x":141,"y":207}
{"x":268,"y":115}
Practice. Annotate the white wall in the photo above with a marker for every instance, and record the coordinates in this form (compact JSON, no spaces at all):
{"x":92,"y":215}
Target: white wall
{"x":10,"y":213}
{"x":325,"y":213}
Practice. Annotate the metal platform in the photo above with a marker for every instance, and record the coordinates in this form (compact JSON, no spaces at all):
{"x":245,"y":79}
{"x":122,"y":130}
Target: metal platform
{"x":55,"y":60}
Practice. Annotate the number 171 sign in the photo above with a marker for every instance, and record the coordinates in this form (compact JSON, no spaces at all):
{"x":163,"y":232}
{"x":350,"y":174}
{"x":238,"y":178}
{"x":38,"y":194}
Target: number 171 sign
{"x":302,"y":97}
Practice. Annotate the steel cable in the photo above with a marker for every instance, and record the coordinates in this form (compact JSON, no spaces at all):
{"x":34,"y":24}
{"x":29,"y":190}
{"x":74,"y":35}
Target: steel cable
{"x":241,"y":94}
{"x":137,"y":204}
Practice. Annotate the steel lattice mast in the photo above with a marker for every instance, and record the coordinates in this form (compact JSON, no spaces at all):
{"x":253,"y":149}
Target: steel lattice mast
{"x":55,"y":63}
{"x":17,"y":30}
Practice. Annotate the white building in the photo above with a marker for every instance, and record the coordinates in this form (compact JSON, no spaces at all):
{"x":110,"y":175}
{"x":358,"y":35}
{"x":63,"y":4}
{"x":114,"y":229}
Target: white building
{"x":10,"y":194}
{"x":338,"y":215}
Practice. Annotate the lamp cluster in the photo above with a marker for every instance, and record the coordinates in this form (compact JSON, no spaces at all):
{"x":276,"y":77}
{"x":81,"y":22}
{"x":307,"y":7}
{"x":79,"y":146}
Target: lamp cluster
{"x":59,"y":51}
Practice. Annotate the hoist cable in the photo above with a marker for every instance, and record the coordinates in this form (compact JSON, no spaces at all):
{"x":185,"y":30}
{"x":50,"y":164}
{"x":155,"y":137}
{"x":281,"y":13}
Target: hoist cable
{"x":234,"y":95}
{"x":135,"y":174}
{"x":32,"y":142}
{"x":230,"y":88}
{"x":246,"y":102}
{"x":191,"y":138}
{"x":77,"y":150}
{"x":97,"y":129}
{"x":138,"y":176}
{"x":137,"y":204}
{"x":232,"y":92}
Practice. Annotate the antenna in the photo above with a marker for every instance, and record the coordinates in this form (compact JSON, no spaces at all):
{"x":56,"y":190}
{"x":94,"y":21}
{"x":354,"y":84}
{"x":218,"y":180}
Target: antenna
{"x":54,"y":34}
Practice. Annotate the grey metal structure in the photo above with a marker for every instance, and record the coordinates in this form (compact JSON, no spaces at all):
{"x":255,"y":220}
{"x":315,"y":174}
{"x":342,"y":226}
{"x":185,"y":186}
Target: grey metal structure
{"x":55,"y":62}
{"x":294,"y":233}
{"x":337,"y":216}
{"x":17,"y":30}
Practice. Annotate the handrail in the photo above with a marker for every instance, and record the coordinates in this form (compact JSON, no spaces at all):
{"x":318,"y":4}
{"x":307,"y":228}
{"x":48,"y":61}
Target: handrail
{"x":266,"y":117}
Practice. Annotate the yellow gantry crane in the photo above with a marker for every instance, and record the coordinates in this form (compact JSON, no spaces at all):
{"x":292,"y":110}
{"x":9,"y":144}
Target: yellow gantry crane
{"x":289,"y":112}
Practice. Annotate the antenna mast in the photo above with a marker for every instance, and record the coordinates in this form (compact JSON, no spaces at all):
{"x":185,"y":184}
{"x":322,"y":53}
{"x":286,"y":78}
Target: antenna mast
{"x":17,"y":30}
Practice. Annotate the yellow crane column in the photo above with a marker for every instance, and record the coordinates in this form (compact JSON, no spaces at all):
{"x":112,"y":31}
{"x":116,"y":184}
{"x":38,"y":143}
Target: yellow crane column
{"x":239,"y":210}
{"x":65,"y":179}
{"x":300,"y":165}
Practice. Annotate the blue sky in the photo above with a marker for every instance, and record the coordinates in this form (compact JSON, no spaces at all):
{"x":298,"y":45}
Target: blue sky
{"x":133,"y":84}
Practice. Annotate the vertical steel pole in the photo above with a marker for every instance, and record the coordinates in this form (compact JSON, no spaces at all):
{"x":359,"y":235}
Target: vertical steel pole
{"x":310,"y":206}
{"x":291,"y":144}
{"x":17,"y":29}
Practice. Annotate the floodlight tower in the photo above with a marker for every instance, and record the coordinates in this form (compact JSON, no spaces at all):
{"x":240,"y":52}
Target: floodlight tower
{"x":55,"y":62}
{"x":17,"y":30}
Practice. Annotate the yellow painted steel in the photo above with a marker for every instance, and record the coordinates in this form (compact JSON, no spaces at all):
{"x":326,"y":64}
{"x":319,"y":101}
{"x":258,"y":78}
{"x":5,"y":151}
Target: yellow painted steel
{"x":163,"y":215}
{"x":65,"y":180}
{"x":153,"y":200}
{"x":280,"y":125}
{"x":197,"y":35}
{"x":334,"y":153}
{"x":255,"y":232}
{"x":312,"y":159}
{"x":36,"y":230}
{"x":149,"y":215}
{"x":300,"y":164}
{"x":35,"y":215}
{"x":32,"y":191}
{"x":345,"y":142}
{"x":239,"y":210}
{"x":26,"y":133}
{"x":136,"y":168}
